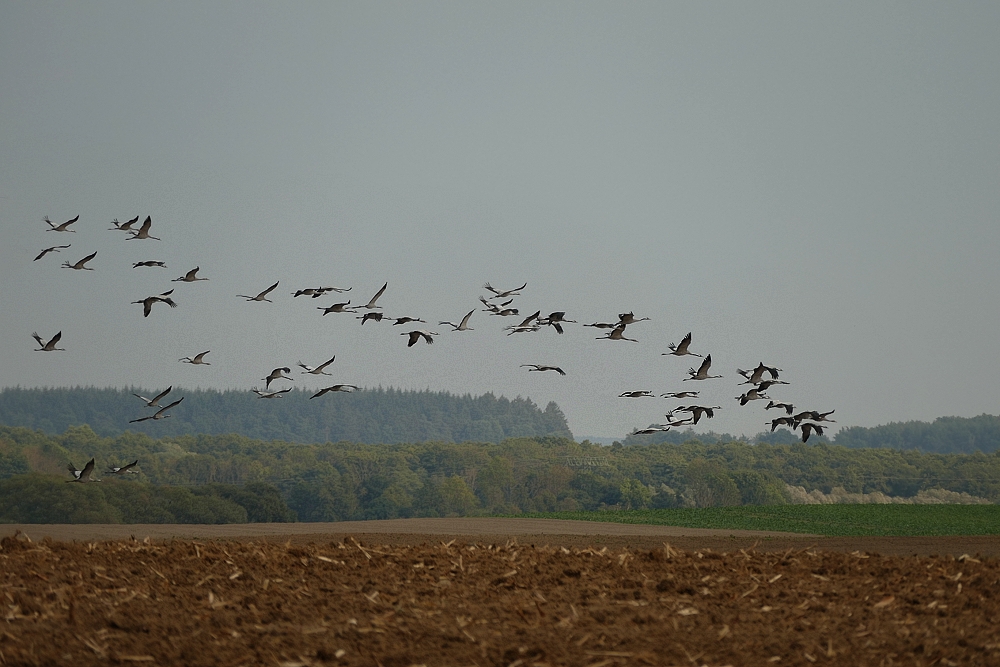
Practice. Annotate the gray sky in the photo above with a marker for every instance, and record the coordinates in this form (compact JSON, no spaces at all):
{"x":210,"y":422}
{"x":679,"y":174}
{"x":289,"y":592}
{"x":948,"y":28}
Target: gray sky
{"x":812,"y":185}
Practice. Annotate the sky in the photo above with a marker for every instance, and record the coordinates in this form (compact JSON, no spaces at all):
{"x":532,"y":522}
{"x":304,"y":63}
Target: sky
{"x":808,"y":185}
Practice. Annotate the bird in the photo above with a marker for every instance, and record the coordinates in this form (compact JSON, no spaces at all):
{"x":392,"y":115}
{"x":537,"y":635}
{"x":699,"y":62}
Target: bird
{"x":764,"y":385}
{"x":603,"y":325}
{"x":319,"y":369}
{"x":463,"y":325}
{"x":681,"y":349}
{"x":636,"y":394}
{"x":539,"y":367}
{"x":122,"y":470}
{"x":124,"y":226}
{"x":617,"y":334}
{"x":506,"y":312}
{"x":270,"y":394}
{"x":371,"y":303}
{"x":702,"y":372}
{"x":808,"y":428}
{"x":782,"y":421}
{"x":160,"y":414}
{"x":681,"y":394}
{"x":51,"y":345}
{"x":697,"y":411}
{"x":787,"y":407}
{"x":497,"y":294}
{"x":155,"y":401}
{"x":84,"y":475}
{"x":752,"y":395}
{"x":555,"y":320}
{"x":815,"y":416}
{"x":406,"y":320}
{"x":80,"y":265}
{"x":197,"y":360}
{"x":416,"y":335}
{"x":310,"y":292}
{"x":262,"y":296}
{"x":143,"y":232}
{"x":151,"y":262}
{"x":147,"y":303}
{"x":652,"y":428}
{"x":276,"y":374}
{"x":189,"y":277}
{"x":630,"y":318}
{"x":64,"y":227}
{"x":370,"y":316}
{"x":521,"y":329}
{"x":757,"y":374}
{"x":347,"y":388}
{"x":526,"y":322}
{"x":337,"y":308}
{"x":55,"y":248}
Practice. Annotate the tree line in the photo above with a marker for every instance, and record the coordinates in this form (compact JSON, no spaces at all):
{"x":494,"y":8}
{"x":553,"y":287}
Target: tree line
{"x":366,"y":416}
{"x":222,"y":478}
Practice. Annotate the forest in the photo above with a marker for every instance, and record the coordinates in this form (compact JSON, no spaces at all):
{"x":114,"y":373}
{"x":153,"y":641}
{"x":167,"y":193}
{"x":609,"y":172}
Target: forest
{"x":232,"y":478}
{"x":365,"y":416}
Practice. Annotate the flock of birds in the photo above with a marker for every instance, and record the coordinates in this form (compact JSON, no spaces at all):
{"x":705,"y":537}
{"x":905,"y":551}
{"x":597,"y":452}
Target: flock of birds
{"x":499,"y":303}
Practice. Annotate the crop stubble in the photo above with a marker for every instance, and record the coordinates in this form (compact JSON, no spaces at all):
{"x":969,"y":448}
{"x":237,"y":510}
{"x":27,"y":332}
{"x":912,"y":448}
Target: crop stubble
{"x":469,"y":601}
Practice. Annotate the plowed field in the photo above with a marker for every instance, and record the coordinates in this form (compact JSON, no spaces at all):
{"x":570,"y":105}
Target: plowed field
{"x":492,"y":598}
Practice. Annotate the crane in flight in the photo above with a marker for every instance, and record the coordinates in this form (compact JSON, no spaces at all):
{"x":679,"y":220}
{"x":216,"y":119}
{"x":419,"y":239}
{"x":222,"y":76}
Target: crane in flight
{"x":682,"y":348}
{"x":262,"y":296}
{"x":416,"y":335}
{"x":189,"y":277}
{"x":337,"y":308}
{"x":143,"y":232}
{"x":147,"y":303}
{"x":151,"y":262}
{"x":155,"y":401}
{"x":85,"y":475}
{"x":815,"y":416}
{"x":277,"y":374}
{"x":782,"y":421}
{"x":55,"y":248}
{"x":319,"y":369}
{"x":160,"y":414}
{"x":757,"y":374}
{"x":787,"y":407}
{"x":636,"y":394}
{"x":652,"y":428}
{"x":463,"y":325}
{"x":197,"y":360}
{"x":680,"y":394}
{"x":346,"y":388}
{"x":406,"y":320}
{"x":125,"y":469}
{"x":702,"y":372}
{"x":64,"y":227}
{"x":754,"y":394}
{"x":618,"y":333}
{"x":540,"y":367}
{"x":370,"y":316}
{"x":696,"y":411}
{"x":270,"y":394}
{"x":49,"y":346}
{"x":630,"y":318}
{"x":371,"y":303}
{"x":808,"y":428}
{"x":80,"y":265}
{"x":501,"y":294}
{"x":123,"y":226}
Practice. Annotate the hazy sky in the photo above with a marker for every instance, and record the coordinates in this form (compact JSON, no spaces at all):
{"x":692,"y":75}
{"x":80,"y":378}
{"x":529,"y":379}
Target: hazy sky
{"x":812,"y":185}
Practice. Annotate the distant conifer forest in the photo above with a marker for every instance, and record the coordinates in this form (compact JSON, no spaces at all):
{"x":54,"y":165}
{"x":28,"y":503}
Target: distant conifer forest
{"x":370,"y":416}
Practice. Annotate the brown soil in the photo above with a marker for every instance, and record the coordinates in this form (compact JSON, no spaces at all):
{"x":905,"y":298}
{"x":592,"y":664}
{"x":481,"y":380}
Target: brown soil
{"x":516,"y":593}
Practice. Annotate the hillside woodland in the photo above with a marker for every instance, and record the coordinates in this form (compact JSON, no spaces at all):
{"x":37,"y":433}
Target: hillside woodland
{"x":232,"y":478}
{"x":365,"y":416}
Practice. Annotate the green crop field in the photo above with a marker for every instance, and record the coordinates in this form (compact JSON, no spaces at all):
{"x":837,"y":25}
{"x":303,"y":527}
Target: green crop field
{"x":831,"y":520}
